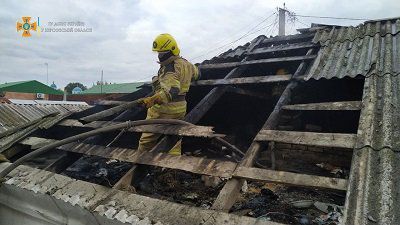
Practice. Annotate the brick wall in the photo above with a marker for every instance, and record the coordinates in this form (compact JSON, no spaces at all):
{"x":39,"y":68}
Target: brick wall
{"x":25,"y":96}
{"x":91,"y":99}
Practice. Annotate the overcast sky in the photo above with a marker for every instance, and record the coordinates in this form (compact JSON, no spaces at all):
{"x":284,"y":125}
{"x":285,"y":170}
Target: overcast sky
{"x":123,"y":32}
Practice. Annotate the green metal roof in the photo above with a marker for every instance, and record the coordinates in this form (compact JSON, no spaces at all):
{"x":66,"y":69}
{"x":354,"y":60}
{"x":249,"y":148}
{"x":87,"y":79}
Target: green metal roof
{"x":30,"y":86}
{"x":122,"y":88}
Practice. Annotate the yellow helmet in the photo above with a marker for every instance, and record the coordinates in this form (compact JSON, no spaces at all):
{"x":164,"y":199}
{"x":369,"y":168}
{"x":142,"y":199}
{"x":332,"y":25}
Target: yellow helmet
{"x":165,"y":42}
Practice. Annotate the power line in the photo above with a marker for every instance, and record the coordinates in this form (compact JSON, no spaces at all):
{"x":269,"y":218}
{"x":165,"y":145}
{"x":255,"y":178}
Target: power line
{"x":297,"y":19}
{"x":330,"y":17}
{"x":265,"y":27}
{"x":269,"y":27}
{"x":238,"y":39}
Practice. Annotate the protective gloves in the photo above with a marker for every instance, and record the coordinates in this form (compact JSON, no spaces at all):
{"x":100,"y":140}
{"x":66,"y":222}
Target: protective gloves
{"x":152,"y":100}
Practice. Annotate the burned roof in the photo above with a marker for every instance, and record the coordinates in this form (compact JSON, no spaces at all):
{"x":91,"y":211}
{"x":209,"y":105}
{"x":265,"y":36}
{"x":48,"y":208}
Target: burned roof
{"x":297,"y":140}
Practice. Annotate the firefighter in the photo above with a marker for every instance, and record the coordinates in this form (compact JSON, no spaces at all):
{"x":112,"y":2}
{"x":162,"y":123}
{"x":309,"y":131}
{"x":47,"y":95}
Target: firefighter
{"x":169,"y":89}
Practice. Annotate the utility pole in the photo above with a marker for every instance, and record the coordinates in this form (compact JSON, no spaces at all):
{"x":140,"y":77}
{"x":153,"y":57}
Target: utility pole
{"x":47,"y":77}
{"x":101,"y":82}
{"x":282,"y":18}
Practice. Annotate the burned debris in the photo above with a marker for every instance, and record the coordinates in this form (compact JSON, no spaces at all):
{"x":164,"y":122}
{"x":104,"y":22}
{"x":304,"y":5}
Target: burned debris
{"x":276,"y":132}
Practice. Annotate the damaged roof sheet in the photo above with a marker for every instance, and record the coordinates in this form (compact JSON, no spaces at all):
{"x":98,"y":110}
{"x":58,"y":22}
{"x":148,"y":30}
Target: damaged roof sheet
{"x":374,"y":184}
{"x":368,"y":49}
{"x":97,"y":204}
{"x":14,"y":115}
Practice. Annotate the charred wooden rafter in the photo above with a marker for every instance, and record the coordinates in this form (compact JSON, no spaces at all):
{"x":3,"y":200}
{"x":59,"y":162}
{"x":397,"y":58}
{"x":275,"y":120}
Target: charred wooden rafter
{"x":244,"y":80}
{"x":336,"y":140}
{"x":258,"y":61}
{"x":326,"y":106}
{"x":288,"y":47}
{"x":180,"y":130}
{"x":211,"y":167}
{"x":229,"y":193}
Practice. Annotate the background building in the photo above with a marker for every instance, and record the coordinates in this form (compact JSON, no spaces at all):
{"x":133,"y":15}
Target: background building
{"x":105,"y":92}
{"x":28,"y":90}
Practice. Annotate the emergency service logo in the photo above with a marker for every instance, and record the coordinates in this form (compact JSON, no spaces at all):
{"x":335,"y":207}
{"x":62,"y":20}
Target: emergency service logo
{"x":26,"y":26}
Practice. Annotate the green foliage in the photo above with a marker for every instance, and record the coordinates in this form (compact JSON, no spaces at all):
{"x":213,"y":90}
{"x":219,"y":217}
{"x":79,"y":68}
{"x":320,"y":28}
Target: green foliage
{"x":71,"y":86}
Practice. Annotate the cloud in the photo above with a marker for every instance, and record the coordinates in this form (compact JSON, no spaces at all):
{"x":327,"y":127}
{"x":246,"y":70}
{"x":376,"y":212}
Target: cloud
{"x":123,"y":31}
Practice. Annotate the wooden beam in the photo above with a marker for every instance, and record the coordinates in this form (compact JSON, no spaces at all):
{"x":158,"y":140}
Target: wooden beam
{"x":336,"y":140}
{"x":224,"y":169}
{"x":287,"y":39}
{"x":180,"y":130}
{"x":229,"y":193}
{"x":186,"y":163}
{"x":258,"y":61}
{"x":243,"y":80}
{"x":346,"y":105}
{"x":290,"y":178}
{"x":284,"y":47}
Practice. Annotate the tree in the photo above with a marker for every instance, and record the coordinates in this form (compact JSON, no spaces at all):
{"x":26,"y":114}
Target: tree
{"x":71,"y":86}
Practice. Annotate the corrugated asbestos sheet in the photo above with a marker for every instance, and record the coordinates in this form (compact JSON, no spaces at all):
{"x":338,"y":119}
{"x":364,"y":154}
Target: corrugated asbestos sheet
{"x":373,"y":195}
{"x":374,"y":184}
{"x":14,"y":115}
{"x":368,"y":49}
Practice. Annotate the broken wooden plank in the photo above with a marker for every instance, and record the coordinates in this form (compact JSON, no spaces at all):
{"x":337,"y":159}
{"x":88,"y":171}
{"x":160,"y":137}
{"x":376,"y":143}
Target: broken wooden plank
{"x":243,"y":80}
{"x":345,"y":105}
{"x":229,"y":193}
{"x":186,"y":163}
{"x":290,"y":178}
{"x":180,"y":130}
{"x":337,"y":140}
{"x":173,"y":129}
{"x":36,"y":142}
{"x":284,"y":47}
{"x":224,"y":169}
{"x":8,"y":141}
{"x":258,"y":61}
